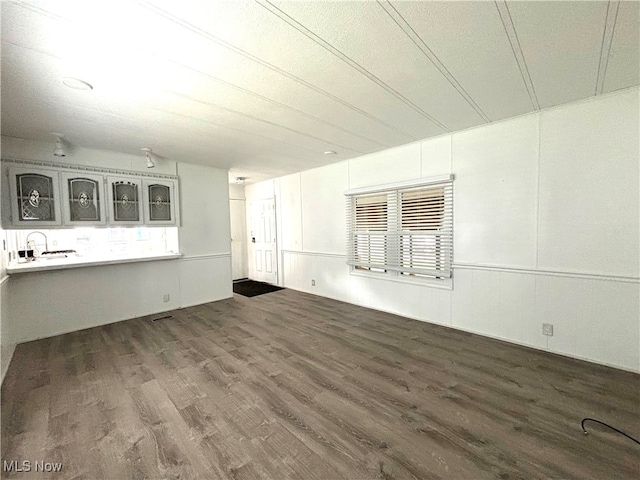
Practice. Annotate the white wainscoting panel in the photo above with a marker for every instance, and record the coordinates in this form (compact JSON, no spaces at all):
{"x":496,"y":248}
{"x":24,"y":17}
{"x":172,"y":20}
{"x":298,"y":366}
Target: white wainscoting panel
{"x":44,"y":304}
{"x":388,"y":296}
{"x":330,"y":273}
{"x":592,"y":319}
{"x":436,"y":305}
{"x":516,"y":318}
{"x":486,"y":301}
{"x":7,"y":345}
{"x":496,"y":304}
{"x":205,"y":279}
{"x":462,"y":300}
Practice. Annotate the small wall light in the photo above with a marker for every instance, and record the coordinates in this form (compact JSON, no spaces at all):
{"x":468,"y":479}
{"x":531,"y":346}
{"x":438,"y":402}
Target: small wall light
{"x":241,"y":180}
{"x":147,"y":153}
{"x":58,"y":151}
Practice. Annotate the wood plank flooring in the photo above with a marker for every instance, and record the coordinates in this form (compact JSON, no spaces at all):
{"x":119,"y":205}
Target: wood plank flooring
{"x":293,"y":386}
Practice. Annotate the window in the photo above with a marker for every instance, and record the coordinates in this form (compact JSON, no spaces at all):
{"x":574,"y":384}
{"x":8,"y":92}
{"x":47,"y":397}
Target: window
{"x":370,"y":236}
{"x":406,"y":230}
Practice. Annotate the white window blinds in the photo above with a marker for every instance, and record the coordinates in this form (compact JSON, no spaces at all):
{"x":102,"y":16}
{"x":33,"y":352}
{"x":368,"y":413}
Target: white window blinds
{"x":406,"y":230}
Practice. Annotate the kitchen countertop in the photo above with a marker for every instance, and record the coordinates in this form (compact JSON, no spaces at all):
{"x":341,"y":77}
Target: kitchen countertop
{"x":74,"y":261}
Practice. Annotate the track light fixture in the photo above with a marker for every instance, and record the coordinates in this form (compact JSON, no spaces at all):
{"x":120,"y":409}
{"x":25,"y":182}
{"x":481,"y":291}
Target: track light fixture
{"x":147,"y":153}
{"x":58,"y":151}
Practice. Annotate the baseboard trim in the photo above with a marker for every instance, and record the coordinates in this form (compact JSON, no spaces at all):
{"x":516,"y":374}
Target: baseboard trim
{"x":188,"y":305}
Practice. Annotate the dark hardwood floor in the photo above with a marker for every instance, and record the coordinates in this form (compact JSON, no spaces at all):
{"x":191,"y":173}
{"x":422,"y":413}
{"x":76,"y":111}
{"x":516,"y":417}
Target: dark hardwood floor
{"x":289,"y":385}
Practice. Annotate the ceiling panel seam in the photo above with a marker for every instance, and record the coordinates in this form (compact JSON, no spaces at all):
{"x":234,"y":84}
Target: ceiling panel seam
{"x":209,"y":77}
{"x":275,"y":102}
{"x":607,"y":40}
{"x":260,"y":120}
{"x":512,"y":35}
{"x":427,"y":52}
{"x":270,"y":66}
{"x":329,"y":142}
{"x":195,"y":119}
{"x":38,"y":10}
{"x":346,"y":59}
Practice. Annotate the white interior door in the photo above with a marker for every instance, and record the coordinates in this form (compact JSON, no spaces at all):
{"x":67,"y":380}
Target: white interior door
{"x":262,"y":241}
{"x":238,"y":215}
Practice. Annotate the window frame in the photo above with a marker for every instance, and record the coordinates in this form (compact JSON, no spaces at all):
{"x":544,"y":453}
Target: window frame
{"x":429,"y":264}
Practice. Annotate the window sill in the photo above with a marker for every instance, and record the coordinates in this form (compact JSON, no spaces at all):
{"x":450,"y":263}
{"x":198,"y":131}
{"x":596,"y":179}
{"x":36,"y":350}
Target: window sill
{"x":42,"y":265}
{"x":445,"y":284}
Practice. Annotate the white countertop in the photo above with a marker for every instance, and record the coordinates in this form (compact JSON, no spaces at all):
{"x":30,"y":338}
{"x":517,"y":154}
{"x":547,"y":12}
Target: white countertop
{"x":74,"y":261}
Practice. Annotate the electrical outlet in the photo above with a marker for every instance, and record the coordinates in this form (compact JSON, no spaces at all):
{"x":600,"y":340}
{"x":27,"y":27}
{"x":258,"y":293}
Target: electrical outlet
{"x":547,"y":329}
{"x":313,"y":283}
{"x":166,"y":297}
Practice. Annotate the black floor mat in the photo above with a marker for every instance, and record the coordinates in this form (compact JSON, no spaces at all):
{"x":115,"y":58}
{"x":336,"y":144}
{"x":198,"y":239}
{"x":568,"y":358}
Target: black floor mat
{"x":251,"y":288}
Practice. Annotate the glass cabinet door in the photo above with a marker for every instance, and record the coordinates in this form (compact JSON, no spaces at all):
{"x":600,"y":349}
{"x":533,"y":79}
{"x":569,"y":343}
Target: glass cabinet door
{"x":34,"y":197}
{"x":125,"y":201}
{"x":159,"y":202}
{"x":84,"y":199}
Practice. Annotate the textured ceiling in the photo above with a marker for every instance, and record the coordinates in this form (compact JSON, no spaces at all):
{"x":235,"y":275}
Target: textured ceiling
{"x":264,"y":88}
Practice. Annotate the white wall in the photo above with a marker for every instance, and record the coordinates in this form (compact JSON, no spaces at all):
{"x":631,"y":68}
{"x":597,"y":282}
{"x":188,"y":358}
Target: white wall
{"x":545,"y":229}
{"x":49,"y":303}
{"x":204,"y":235}
{"x":7,"y":346}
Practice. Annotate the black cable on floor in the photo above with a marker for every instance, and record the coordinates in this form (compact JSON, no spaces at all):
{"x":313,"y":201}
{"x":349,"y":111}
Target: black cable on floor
{"x":607,"y":425}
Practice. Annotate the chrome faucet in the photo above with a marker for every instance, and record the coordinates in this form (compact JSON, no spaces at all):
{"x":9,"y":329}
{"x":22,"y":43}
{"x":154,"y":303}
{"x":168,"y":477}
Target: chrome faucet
{"x":46,"y":242}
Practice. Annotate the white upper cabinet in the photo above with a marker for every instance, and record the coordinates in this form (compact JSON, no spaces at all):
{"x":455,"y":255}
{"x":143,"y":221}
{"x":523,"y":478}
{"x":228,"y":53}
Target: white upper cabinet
{"x":70,"y":196}
{"x":35,"y":197}
{"x":83,"y":199}
{"x":160,"y":202}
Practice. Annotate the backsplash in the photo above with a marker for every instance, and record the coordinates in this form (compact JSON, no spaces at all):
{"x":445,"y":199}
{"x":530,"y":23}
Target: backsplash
{"x":95,"y":242}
